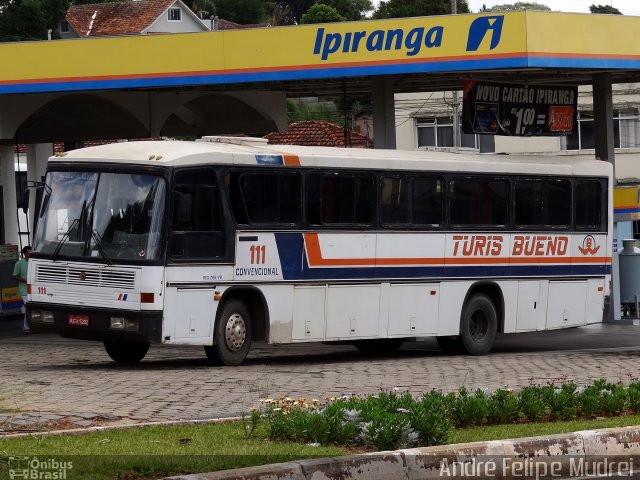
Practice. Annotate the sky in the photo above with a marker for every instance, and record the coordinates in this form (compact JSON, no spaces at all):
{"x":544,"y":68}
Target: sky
{"x":627,"y":7}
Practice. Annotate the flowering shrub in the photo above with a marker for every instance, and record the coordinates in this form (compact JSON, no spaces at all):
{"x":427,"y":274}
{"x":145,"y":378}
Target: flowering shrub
{"x":389,"y":420}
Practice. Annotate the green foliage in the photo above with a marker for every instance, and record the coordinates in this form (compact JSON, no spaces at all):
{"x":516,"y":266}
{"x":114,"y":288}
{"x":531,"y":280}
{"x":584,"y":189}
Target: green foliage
{"x":633,"y":396}
{"x":250,"y":422}
{"x":351,"y":10}
{"x":588,"y":403}
{"x":288,"y":12}
{"x":389,"y":420}
{"x":561,"y":401}
{"x":468,"y":410}
{"x":418,"y":8}
{"x":532,"y":403}
{"x":518,"y":6}
{"x":30,"y":19}
{"x":429,"y":419}
{"x":604,"y":9}
{"x":321,"y":14}
{"x":242,"y":11}
{"x":503,"y":407}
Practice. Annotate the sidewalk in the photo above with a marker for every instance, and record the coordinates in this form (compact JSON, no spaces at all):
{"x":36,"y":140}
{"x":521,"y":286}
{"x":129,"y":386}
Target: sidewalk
{"x":607,"y":452}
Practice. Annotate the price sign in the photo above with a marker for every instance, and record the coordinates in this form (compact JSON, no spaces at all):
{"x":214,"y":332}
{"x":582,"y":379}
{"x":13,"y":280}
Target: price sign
{"x":519,"y":110}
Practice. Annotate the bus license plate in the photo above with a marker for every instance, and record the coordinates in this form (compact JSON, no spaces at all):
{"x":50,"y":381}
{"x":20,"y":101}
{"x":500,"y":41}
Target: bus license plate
{"x":79,"y":320}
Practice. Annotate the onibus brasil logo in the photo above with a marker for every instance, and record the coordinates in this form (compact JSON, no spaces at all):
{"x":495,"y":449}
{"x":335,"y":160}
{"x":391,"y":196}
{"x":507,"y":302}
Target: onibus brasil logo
{"x":34,"y":468}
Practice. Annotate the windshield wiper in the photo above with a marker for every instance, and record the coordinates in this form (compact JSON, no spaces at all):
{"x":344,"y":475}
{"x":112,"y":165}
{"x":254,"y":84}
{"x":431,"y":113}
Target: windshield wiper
{"x":74,"y":224}
{"x":64,"y":238}
{"x":98,"y":241}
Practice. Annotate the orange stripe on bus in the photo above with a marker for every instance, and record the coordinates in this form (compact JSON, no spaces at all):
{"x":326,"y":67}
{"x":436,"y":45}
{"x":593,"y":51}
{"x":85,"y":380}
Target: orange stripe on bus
{"x":316,"y":259}
{"x":291,"y":160}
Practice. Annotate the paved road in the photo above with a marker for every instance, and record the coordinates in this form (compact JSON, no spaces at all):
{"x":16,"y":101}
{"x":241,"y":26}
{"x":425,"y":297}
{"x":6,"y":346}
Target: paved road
{"x":48,"y":376}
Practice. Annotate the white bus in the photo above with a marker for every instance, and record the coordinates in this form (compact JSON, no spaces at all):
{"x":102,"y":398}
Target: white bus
{"x":223,"y":242}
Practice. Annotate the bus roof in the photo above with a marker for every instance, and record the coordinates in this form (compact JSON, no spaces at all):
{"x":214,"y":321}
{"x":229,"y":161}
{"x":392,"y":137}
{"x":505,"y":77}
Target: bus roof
{"x":183,"y":153}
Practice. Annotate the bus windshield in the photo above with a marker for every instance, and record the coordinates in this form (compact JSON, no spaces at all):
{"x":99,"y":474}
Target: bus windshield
{"x":101,"y":215}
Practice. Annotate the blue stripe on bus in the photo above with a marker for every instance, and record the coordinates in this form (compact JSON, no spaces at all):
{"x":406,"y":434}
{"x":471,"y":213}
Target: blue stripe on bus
{"x":265,"y":159}
{"x":295,"y":267}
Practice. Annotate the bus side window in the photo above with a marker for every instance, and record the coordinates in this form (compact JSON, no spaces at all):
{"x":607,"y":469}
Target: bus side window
{"x":395,"y":202}
{"x":588,"y":204}
{"x":478,"y":201}
{"x":271,"y":198}
{"x":345,"y":199}
{"x":199,"y":234}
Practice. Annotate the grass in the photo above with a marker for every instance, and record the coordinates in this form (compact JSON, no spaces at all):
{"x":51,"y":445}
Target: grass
{"x":501,"y":432}
{"x":154,"y":452}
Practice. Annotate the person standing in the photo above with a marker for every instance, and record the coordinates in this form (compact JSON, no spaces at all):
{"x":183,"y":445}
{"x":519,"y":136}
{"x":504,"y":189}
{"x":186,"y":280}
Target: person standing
{"x":20,"y":274}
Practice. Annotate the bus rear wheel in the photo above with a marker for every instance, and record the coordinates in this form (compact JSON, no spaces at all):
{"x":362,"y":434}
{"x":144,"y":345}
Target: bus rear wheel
{"x":126,"y":352}
{"x":478,"y":325}
{"x":232,"y":336}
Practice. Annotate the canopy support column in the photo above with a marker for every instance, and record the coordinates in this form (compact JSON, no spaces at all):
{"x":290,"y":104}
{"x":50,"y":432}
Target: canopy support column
{"x":384,"y":117}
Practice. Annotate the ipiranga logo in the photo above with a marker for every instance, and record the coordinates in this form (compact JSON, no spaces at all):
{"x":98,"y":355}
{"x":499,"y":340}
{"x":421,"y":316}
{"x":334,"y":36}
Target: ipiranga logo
{"x":411,"y":41}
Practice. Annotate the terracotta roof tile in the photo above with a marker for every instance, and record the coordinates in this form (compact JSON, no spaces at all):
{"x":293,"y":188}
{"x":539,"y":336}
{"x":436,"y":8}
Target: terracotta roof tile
{"x":117,"y":18}
{"x":318,"y":133}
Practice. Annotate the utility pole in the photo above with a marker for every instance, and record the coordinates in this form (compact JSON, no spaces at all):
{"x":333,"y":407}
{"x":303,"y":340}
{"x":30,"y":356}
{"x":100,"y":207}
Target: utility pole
{"x":456,"y":112}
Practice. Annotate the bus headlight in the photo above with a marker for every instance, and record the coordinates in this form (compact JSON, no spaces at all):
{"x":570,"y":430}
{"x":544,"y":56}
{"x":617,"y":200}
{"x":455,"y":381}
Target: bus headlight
{"x":123,"y":323}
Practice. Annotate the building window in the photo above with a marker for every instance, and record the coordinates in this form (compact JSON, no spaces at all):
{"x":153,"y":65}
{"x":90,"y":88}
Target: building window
{"x":174,"y":15}
{"x":625,"y":130}
{"x":438,"y":132}
{"x":64,"y":26}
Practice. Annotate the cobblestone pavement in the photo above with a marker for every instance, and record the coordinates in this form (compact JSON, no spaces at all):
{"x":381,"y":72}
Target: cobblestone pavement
{"x":45,"y":379}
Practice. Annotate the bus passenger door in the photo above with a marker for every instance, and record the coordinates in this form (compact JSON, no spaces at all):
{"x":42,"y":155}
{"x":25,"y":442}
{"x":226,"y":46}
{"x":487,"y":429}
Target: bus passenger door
{"x":199,"y":246}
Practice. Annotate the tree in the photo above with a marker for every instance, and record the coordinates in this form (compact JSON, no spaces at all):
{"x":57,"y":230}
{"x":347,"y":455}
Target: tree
{"x":351,"y":10}
{"x":604,"y":9}
{"x":30,"y":19}
{"x":241,"y":11}
{"x":514,"y":7}
{"x":319,"y":13}
{"x":289,"y":12}
{"x":417,"y":8}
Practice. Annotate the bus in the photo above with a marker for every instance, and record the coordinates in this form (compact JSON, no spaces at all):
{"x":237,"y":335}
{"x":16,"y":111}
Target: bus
{"x":223,"y":242}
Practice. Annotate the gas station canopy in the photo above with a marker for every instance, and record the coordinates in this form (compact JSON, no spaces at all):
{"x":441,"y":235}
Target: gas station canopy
{"x":424,"y":54}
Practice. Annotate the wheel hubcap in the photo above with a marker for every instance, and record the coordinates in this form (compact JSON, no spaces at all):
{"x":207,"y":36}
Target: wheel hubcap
{"x":478,"y":326}
{"x":235,"y":332}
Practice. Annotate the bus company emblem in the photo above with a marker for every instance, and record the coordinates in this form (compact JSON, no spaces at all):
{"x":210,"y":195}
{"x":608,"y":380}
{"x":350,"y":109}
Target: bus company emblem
{"x":588,"y":246}
{"x":82,"y":275}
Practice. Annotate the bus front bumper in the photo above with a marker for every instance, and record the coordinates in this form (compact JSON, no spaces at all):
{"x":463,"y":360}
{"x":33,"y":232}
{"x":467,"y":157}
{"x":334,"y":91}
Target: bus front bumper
{"x":99,"y":324}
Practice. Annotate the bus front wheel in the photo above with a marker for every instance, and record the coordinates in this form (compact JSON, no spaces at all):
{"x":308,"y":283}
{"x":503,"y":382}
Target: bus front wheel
{"x":479,"y":325}
{"x":232,"y":337}
{"x":126,"y":352}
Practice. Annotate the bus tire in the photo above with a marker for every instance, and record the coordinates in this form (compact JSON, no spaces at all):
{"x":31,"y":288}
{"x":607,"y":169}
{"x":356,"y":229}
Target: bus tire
{"x":126,"y":352}
{"x":381,"y":345}
{"x":450,"y":344}
{"x":478,"y":325}
{"x":232,"y":336}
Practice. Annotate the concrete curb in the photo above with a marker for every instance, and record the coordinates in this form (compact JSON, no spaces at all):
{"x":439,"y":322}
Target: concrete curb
{"x":578,"y":454}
